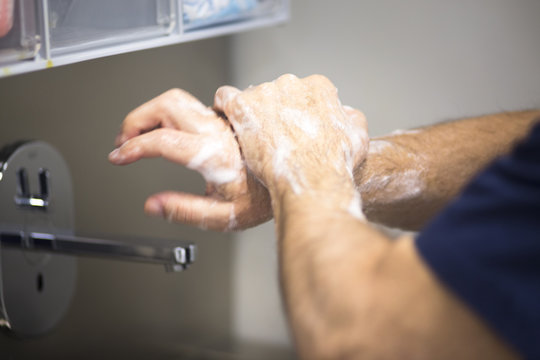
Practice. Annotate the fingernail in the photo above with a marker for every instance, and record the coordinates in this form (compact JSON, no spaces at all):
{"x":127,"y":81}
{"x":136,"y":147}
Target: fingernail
{"x":115,"y":156}
{"x":153,"y":207}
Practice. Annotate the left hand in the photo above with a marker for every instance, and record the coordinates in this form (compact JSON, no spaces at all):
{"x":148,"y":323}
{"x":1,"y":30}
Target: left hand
{"x":178,"y":127}
{"x":295,"y":134}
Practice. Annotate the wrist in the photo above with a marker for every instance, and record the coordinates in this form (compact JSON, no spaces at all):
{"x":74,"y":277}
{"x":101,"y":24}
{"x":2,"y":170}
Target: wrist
{"x":338,"y":196}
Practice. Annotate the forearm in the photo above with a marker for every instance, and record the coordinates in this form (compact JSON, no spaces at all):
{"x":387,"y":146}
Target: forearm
{"x":352,"y":293}
{"x":326,"y":258}
{"x":407,"y":178}
{"x":349,"y":291}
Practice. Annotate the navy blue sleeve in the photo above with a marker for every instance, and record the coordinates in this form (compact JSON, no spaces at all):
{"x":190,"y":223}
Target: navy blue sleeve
{"x":485,"y":246}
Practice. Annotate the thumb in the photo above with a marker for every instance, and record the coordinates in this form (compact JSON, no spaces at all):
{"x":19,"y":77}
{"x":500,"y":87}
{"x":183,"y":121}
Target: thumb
{"x":203,"y":212}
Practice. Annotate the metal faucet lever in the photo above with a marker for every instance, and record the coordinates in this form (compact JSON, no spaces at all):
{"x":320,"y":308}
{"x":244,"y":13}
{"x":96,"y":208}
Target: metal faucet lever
{"x":176,"y":257}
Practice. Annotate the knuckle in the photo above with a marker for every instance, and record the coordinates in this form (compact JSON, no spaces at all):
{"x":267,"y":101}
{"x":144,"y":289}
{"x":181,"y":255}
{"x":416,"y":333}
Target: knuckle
{"x":169,"y":102}
{"x":128,"y":145}
{"x":286,"y":80}
{"x":132,"y":147}
{"x":174,"y":93}
{"x":288,"y":77}
{"x":181,"y":213}
{"x":266,"y":87}
{"x":157,"y":137}
{"x":318,"y":78}
{"x":321,"y":80}
{"x":166,"y":106}
{"x":171,"y":211}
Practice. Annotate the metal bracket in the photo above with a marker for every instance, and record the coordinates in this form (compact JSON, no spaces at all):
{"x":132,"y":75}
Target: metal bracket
{"x":37,"y":240}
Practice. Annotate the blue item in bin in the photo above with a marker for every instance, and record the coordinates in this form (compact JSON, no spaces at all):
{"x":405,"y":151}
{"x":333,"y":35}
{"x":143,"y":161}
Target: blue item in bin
{"x":205,"y":12}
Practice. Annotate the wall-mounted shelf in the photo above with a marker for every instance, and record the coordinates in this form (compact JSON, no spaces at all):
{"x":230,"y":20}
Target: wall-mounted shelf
{"x":39,"y":34}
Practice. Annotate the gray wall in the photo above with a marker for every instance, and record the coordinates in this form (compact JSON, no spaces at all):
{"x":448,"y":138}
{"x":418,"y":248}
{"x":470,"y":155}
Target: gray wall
{"x":405,"y":64}
{"x":123,"y":308}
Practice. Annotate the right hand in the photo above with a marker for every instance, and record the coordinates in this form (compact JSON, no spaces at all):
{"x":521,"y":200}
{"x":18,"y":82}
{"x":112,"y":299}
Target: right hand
{"x":176,"y":126}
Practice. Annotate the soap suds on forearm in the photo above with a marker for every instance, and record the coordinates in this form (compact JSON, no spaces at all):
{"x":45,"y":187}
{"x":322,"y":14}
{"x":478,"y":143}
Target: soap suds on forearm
{"x":396,"y":184}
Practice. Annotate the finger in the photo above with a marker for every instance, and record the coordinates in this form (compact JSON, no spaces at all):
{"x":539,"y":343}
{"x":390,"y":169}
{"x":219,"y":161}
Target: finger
{"x":173,"y":145}
{"x":223,"y":98}
{"x":200,"y":211}
{"x":149,"y":115}
{"x":175,"y":108}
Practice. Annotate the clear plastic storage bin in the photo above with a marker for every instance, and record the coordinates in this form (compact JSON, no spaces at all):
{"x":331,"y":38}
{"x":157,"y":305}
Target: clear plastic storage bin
{"x":39,"y":34}
{"x":19,"y":39}
{"x":206,"y":13}
{"x":76,"y":25}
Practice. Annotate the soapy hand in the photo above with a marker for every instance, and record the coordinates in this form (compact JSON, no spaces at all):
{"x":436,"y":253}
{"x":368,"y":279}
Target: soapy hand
{"x":294,"y":133}
{"x":178,"y":127}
